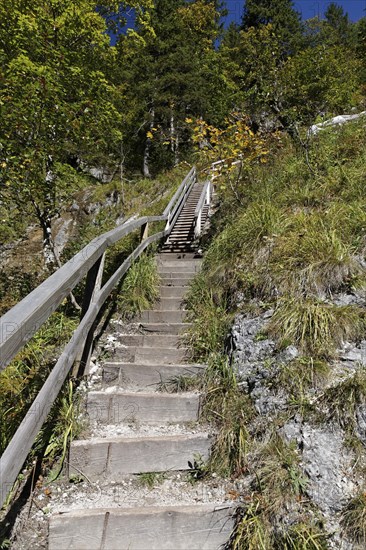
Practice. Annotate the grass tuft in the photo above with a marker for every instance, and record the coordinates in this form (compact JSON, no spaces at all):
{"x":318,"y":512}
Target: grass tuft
{"x":314,"y":326}
{"x":354,"y":519}
{"x":341,"y":401}
{"x":140,"y":287}
{"x":231,"y":410}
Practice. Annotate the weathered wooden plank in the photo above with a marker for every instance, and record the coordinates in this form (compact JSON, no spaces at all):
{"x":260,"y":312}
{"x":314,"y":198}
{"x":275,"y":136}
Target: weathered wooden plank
{"x":197,"y":527}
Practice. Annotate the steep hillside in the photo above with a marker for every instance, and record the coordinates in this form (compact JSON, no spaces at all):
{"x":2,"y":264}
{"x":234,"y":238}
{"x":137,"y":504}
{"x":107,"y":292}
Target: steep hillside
{"x":281,"y":301}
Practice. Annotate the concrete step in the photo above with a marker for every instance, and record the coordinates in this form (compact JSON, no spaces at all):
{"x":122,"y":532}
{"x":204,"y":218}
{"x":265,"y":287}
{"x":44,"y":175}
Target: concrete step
{"x":150,"y":355}
{"x":173,"y":256}
{"x":165,"y":328}
{"x":143,"y":375}
{"x":110,"y":458}
{"x":176,"y":275}
{"x":168,"y":263}
{"x":196,"y":527}
{"x":151,"y":408}
{"x":153,"y":316}
{"x":167,"y":267}
{"x":149,"y":340}
{"x":179,"y":282}
{"x":169,"y":304}
{"x":173,"y":291}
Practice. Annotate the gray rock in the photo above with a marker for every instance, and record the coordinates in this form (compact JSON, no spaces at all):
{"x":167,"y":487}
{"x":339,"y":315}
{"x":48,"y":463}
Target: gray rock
{"x":354,"y":353}
{"x":361,"y":423}
{"x":327,"y":463}
{"x":288,"y":354}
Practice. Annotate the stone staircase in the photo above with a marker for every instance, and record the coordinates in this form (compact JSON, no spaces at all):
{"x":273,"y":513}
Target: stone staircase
{"x":138,"y":429}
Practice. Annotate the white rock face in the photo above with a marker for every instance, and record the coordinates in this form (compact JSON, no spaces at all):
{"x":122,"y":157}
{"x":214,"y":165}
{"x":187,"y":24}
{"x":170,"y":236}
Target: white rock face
{"x":335,"y":121}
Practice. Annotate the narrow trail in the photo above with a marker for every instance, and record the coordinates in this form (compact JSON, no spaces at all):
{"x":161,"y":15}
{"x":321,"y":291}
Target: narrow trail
{"x":138,"y":429}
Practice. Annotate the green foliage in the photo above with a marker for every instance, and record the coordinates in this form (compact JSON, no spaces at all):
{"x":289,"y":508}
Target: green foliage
{"x":140,"y":287}
{"x":278,"y":476}
{"x":66,"y":427}
{"x":198,"y":469}
{"x":302,"y":536}
{"x":278,"y":13}
{"x":252,"y":529}
{"x":55,"y":100}
{"x":301,"y":374}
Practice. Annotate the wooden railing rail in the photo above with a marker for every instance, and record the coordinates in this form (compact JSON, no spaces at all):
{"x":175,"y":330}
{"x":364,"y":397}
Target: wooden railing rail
{"x":176,"y":204}
{"x":216,"y":167}
{"x":205,"y":199}
{"x":19,"y":324}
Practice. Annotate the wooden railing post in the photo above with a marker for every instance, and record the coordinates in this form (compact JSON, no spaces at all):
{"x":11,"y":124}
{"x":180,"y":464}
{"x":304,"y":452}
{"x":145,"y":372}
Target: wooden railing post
{"x":93,"y":285}
{"x":144,"y":232}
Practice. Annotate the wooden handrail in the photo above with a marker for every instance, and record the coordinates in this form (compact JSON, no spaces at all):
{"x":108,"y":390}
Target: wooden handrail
{"x":204,"y":199}
{"x":186,"y":185}
{"x":20,"y":323}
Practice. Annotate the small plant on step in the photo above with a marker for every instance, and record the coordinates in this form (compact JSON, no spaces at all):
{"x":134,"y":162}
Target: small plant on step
{"x":150,"y":479}
{"x":140,"y":288}
{"x":197,"y":469}
{"x":181,"y":383}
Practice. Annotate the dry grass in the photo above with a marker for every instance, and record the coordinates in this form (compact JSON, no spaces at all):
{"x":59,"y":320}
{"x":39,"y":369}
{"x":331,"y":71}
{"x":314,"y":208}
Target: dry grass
{"x":354,"y":519}
{"x":314,"y":326}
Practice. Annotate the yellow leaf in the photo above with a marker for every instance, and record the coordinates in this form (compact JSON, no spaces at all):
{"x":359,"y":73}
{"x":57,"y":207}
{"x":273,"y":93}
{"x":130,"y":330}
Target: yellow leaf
{"x":149,"y":135}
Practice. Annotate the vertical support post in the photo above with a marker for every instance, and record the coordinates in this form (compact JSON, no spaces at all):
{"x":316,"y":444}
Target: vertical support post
{"x":93,"y":285}
{"x":144,"y":232}
{"x":208,"y":194}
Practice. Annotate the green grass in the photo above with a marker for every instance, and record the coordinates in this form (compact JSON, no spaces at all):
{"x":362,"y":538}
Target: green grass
{"x":140,"y":287}
{"x":150,"y":479}
{"x":230,"y":410}
{"x":278,"y":477}
{"x":208,"y":313}
{"x":340,"y":401}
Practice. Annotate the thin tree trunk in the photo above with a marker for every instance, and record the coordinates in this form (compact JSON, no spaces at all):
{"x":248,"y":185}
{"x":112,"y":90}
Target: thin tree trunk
{"x":146,"y":159}
{"x":174,"y":138}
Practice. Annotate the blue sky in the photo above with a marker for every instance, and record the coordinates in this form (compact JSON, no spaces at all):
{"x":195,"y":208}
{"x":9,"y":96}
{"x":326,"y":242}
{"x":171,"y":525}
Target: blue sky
{"x":307,"y":8}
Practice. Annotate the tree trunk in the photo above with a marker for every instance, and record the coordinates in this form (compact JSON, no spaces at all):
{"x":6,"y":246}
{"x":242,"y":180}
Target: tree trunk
{"x":174,"y":138}
{"x":146,"y":159}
